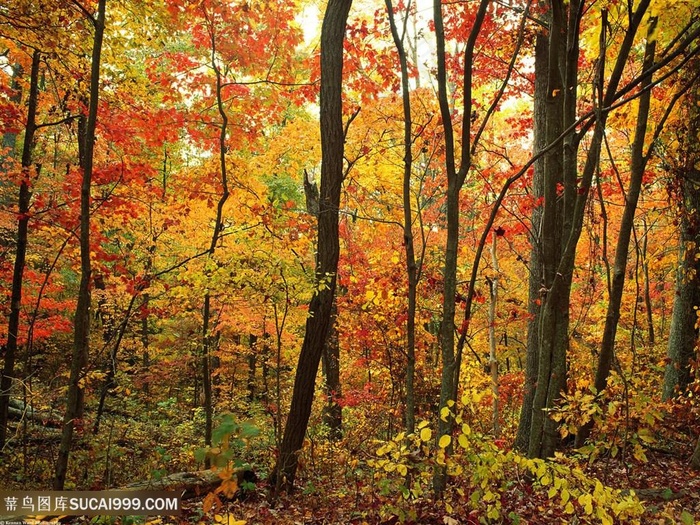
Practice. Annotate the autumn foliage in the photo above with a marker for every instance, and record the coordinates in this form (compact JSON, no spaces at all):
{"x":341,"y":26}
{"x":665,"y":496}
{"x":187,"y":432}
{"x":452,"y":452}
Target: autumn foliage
{"x":203,"y":258}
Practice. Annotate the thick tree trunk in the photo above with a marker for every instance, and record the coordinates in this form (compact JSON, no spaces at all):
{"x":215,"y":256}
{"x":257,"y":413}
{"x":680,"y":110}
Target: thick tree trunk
{"x":554,"y":320}
{"x":683,"y":335}
{"x":10,"y":348}
{"x":536,"y":277}
{"x":330,"y":358}
{"x":321,"y":306}
{"x":74,"y":399}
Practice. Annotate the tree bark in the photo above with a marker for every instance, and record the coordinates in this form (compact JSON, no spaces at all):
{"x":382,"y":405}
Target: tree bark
{"x":554,"y":321}
{"x":536,"y":276}
{"x":321,"y":305}
{"x":74,"y":399}
{"x":10,"y":347}
{"x":683,"y":335}
{"x":332,"y":412}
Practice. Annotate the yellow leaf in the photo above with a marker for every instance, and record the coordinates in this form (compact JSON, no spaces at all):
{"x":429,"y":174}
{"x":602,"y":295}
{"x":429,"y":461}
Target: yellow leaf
{"x":402,"y":469}
{"x":565,"y":497}
{"x":586,"y":501}
{"x":463,"y":441}
{"x":445,"y":441}
{"x":426,"y":434}
{"x":444,"y":413}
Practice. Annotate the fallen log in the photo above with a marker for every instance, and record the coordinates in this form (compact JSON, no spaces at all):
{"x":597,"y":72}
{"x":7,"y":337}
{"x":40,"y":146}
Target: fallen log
{"x":660,"y":494}
{"x":188,"y":484}
{"x":17,"y":411}
{"x":193,"y":484}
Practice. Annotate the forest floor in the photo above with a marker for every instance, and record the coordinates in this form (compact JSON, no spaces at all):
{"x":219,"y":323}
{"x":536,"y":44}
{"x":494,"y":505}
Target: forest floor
{"x":667,"y":486}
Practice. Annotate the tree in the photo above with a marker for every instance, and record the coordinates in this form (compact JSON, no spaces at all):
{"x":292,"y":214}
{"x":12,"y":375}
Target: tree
{"x":74,"y":397}
{"x":522,"y":439}
{"x":638,"y":164}
{"x":412,"y":267}
{"x":328,"y":245}
{"x":683,"y":336}
{"x":207,"y":337}
{"x":10,"y":348}
{"x":559,"y":263}
{"x":456,"y":167}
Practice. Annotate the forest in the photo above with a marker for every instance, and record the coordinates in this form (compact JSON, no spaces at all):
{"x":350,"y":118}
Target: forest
{"x":336,"y":262}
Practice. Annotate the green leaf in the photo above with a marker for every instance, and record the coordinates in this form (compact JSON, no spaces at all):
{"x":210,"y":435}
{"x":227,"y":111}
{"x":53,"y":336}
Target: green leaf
{"x":687,"y":518}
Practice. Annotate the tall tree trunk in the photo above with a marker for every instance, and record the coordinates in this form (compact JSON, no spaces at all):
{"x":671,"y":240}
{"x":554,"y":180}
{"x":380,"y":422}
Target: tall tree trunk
{"x":10,"y":348}
{"x":208,"y":341}
{"x":74,"y":398}
{"x":321,"y":305}
{"x":683,"y":335}
{"x":456,"y":170}
{"x":536,"y":277}
{"x":637,"y":166}
{"x":412,"y":269}
{"x":554,"y":317}
{"x":559,"y":171}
